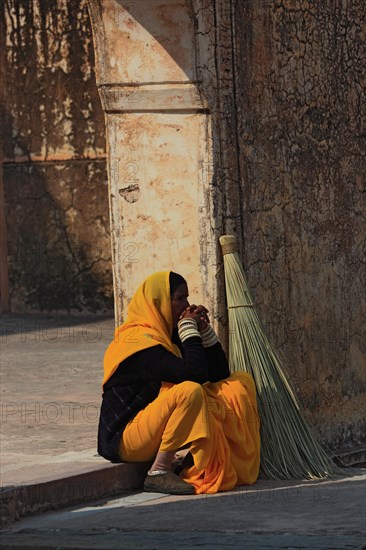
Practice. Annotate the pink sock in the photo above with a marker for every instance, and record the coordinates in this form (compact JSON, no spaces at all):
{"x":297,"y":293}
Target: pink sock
{"x":162,"y":462}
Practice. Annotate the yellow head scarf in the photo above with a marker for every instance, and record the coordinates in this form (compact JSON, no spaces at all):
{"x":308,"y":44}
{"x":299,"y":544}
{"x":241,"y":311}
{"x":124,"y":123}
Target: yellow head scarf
{"x":149,"y":323}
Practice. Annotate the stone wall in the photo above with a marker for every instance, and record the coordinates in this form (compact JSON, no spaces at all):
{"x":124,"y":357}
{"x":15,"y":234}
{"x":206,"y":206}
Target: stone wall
{"x":301,"y":103}
{"x":282,"y":92}
{"x":55,"y":182}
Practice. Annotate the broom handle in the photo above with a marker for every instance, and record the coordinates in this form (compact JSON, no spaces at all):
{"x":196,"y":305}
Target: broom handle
{"x":228,"y":244}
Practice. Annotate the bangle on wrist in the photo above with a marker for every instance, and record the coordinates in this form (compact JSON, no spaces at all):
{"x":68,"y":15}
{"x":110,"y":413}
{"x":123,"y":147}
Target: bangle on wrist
{"x":187,"y":328}
{"x":209,"y":337}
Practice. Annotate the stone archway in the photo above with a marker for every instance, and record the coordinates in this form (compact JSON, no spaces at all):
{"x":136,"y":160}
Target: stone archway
{"x":159,"y":67}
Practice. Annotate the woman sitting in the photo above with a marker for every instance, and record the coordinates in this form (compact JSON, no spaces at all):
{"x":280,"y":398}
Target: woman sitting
{"x":167,"y":386}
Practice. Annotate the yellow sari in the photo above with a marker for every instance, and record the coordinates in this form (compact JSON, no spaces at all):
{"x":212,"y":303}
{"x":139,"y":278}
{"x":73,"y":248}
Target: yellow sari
{"x":222,"y":426}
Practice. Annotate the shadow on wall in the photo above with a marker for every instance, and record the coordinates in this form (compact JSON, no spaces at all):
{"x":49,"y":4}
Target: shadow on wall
{"x":159,"y":24}
{"x":55,"y":183}
{"x":58,"y":236}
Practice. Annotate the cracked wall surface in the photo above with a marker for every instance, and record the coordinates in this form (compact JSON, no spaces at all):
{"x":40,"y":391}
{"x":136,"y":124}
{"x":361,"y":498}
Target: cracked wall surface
{"x":301,"y":103}
{"x":280,"y":161}
{"x":157,"y":125}
{"x":55,"y":181}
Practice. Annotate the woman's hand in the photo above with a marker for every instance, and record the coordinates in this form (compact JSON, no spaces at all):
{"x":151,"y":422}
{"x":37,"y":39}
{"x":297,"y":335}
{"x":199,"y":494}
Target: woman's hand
{"x":199,"y":314}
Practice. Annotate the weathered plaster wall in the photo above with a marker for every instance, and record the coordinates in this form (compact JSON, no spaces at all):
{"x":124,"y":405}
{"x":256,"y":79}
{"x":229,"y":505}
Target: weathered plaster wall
{"x":58,"y":236}
{"x":301,"y":102}
{"x":157,"y":128}
{"x":267,"y":99}
{"x":54,"y":147}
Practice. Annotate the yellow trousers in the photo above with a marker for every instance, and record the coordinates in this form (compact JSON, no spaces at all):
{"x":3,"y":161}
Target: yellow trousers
{"x":219,"y":421}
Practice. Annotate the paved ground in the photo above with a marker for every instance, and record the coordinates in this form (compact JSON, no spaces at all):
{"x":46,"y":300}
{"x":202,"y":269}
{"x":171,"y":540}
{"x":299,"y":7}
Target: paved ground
{"x":326,"y":515}
{"x":50,"y":389}
{"x":51,"y":372}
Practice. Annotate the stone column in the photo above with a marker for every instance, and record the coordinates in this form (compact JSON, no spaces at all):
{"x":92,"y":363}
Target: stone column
{"x":157,"y":65}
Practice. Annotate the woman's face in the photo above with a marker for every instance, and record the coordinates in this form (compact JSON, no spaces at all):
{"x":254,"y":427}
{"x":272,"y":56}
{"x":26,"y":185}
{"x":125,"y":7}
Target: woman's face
{"x":179,"y":302}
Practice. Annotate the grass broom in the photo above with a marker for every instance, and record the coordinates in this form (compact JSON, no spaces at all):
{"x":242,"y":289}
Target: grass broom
{"x":289,"y":449}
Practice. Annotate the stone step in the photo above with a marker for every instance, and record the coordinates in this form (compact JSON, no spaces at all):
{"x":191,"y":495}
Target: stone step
{"x":56,"y":484}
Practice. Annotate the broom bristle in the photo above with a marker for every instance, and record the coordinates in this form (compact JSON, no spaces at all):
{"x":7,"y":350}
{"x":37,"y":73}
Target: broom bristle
{"x":289,"y":449}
